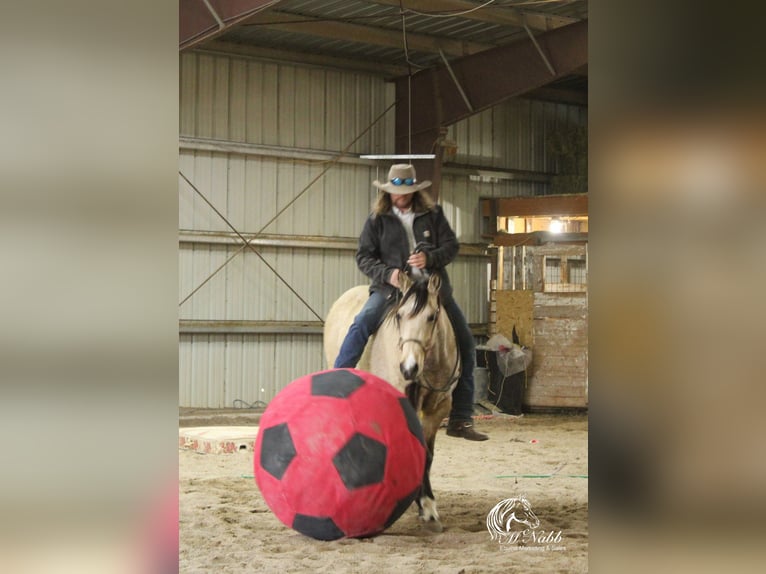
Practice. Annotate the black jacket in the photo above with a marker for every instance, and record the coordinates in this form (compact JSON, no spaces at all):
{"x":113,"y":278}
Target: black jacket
{"x":383,"y":247}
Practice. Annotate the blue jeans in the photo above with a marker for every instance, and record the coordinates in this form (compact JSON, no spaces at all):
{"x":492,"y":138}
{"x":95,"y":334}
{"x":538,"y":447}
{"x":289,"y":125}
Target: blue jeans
{"x":364,"y":325}
{"x":368,"y":320}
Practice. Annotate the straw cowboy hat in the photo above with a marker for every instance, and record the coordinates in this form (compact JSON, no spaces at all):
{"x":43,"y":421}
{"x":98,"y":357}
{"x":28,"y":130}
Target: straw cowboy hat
{"x":401,"y":180}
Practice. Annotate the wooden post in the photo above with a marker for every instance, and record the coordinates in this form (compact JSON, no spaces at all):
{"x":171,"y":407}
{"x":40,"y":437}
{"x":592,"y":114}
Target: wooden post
{"x":492,"y":329}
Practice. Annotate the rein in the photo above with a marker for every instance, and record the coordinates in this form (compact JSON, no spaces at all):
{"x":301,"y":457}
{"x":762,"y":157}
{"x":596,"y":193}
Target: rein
{"x":452,"y":378}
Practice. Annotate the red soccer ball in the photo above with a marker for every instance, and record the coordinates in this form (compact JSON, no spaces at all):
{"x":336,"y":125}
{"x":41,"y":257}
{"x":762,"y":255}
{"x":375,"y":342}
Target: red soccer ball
{"x":339,"y":453}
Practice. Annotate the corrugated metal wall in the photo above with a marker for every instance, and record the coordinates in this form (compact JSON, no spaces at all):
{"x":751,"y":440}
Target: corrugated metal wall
{"x":279,"y":104}
{"x":254,"y":135}
{"x":514,"y":135}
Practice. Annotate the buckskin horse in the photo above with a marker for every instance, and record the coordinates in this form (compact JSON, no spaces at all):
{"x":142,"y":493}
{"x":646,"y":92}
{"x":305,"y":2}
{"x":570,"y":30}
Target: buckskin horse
{"x":415,"y":350}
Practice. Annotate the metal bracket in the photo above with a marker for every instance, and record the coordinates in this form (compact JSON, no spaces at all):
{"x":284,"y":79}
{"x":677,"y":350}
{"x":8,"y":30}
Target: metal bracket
{"x":540,"y":50}
{"x":221,"y":25}
{"x":454,"y":79}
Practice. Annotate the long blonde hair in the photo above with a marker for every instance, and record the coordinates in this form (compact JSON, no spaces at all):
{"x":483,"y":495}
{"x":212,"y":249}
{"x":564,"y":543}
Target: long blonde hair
{"x":421,"y":202}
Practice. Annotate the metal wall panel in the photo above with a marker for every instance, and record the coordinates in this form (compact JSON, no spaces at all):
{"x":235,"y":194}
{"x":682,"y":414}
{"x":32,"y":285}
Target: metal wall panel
{"x":513,"y":134}
{"x":246,"y":289}
{"x":285,"y":112}
{"x":246,"y":100}
{"x":251,"y":191}
{"x":218,"y":371}
{"x":469,"y":282}
{"x":467,"y":274}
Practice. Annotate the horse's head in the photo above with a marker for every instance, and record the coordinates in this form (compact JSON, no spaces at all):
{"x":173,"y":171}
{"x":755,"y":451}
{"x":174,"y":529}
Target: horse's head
{"x":510,"y":516}
{"x":416,"y":318}
{"x":519,"y":510}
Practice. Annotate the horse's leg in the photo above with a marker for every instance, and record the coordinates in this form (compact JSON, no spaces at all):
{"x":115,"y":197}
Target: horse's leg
{"x":426,"y":501}
{"x":425,"y":498}
{"x":412,"y":391}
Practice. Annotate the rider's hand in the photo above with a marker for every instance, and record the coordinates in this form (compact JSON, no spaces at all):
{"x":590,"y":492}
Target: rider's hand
{"x":394,"y":279}
{"x":417,"y":260}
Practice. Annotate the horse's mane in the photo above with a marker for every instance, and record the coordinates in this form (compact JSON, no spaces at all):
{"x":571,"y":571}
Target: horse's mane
{"x":418,"y":290}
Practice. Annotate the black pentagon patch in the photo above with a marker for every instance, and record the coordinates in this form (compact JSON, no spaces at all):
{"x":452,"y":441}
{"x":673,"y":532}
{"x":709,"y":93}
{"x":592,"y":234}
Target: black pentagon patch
{"x":277,"y":450}
{"x":413,"y":422}
{"x":361,"y":462}
{"x":319,"y":528}
{"x":339,"y":383}
{"x":401,"y":507}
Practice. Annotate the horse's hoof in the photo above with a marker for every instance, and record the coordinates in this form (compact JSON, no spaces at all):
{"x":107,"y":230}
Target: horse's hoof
{"x":433,"y":526}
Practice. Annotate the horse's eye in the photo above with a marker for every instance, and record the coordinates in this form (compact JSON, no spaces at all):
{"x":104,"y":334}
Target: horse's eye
{"x":432,"y":318}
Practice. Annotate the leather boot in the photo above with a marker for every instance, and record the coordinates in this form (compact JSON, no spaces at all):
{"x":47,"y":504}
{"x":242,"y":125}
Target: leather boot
{"x":464,"y":429}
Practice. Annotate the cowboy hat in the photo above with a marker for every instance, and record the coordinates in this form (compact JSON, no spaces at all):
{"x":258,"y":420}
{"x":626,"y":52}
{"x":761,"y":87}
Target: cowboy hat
{"x":401,"y":180}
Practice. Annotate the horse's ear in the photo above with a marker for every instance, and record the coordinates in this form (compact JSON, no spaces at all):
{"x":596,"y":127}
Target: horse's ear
{"x":515,"y":336}
{"x":405,"y":281}
{"x":434,"y":283}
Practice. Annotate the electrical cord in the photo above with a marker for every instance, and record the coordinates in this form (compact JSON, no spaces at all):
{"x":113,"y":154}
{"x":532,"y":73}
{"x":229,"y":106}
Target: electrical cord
{"x":448,"y":14}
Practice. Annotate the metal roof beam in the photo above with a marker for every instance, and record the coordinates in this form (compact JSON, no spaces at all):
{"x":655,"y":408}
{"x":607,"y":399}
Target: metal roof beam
{"x":559,"y":95}
{"x":428,"y":101}
{"x":376,"y":36}
{"x":229,"y":48}
{"x":488,"y":78}
{"x":200,"y":20}
{"x":494,"y":14}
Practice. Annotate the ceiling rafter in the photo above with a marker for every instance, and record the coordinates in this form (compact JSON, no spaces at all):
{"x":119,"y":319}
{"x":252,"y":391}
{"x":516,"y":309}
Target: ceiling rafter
{"x":522,"y":71}
{"x":495,"y":14}
{"x":223,"y":47}
{"x":335,"y":30}
{"x":431,"y":100}
{"x":201,"y":20}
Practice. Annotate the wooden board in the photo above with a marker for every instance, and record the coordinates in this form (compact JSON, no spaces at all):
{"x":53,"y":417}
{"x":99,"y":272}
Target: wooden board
{"x":559,"y":374}
{"x":554,"y":325}
{"x":515,"y":308}
{"x":572,"y":204}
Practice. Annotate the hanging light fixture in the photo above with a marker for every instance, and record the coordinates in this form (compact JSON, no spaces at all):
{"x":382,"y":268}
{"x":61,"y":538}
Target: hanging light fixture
{"x":400,"y":156}
{"x":410,"y":155}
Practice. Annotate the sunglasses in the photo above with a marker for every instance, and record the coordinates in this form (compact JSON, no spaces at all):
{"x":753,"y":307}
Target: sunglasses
{"x":400,"y":181}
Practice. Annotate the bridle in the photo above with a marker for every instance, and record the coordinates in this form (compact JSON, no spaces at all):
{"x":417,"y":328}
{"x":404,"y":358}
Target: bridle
{"x":430,"y":335}
{"x":421,"y":380}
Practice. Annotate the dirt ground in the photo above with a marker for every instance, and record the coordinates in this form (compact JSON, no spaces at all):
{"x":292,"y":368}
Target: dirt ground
{"x":226,"y":527}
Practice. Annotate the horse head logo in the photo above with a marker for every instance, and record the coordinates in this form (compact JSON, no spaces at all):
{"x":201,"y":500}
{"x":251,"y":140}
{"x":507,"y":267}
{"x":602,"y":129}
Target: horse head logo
{"x":509,"y":517}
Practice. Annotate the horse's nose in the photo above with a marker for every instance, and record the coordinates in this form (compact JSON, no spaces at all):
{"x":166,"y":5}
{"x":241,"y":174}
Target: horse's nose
{"x":409,"y":370}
